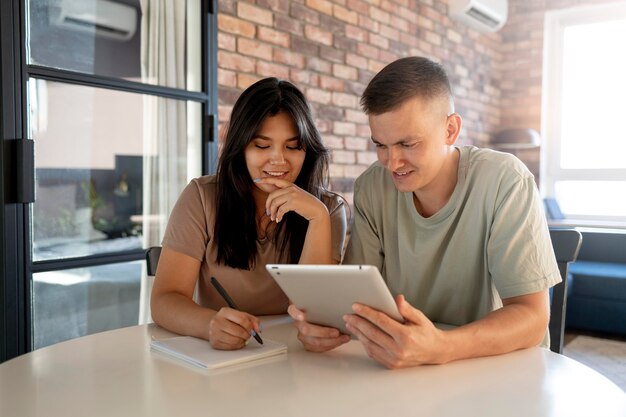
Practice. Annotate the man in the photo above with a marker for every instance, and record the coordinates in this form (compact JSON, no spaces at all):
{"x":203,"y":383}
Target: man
{"x":459,"y":231}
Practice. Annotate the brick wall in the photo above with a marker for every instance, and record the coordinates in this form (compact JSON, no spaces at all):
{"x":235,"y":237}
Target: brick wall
{"x":522,"y":52}
{"x":331,"y":49}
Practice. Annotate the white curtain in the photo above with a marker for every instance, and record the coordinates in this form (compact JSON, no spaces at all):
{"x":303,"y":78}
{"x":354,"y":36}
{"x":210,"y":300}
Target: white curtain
{"x":164,"y":124}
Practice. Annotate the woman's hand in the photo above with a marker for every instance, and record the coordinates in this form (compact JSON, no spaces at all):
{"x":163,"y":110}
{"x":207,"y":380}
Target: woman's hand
{"x":289,"y":197}
{"x":313,"y":337}
{"x":231,"y":329}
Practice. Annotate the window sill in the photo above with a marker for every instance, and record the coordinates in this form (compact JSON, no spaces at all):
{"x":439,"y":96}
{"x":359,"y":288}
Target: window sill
{"x":592,"y":224}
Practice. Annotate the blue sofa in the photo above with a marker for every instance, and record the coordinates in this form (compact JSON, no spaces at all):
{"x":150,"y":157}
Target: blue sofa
{"x":596,"y":298}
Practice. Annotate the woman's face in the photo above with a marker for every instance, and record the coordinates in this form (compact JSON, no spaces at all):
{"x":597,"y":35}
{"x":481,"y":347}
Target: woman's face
{"x":275,"y":151}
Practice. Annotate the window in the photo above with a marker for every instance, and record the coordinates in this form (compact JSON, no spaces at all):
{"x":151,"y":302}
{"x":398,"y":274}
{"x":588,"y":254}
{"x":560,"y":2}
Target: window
{"x":584,"y":157}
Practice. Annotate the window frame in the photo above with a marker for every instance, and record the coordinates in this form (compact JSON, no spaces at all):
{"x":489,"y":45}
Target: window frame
{"x":555,"y":23}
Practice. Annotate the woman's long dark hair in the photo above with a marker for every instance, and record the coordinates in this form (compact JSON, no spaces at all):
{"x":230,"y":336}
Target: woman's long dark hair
{"x":235,"y":230}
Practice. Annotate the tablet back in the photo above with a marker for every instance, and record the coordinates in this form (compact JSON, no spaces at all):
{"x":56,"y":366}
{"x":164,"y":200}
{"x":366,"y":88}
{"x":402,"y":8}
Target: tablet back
{"x":326,"y":292}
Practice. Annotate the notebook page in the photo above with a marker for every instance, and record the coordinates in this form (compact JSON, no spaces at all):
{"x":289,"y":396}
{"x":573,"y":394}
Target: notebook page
{"x":198,"y":352}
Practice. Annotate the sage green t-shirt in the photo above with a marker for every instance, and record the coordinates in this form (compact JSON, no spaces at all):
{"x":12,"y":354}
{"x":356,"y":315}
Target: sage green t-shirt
{"x":489,"y":242}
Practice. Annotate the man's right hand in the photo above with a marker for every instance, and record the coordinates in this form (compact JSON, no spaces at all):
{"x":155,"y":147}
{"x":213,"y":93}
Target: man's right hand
{"x":316,"y":338}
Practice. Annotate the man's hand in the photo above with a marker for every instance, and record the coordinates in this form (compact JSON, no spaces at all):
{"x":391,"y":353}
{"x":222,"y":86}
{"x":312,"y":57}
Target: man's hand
{"x":316,"y":338}
{"x":397,"y":345}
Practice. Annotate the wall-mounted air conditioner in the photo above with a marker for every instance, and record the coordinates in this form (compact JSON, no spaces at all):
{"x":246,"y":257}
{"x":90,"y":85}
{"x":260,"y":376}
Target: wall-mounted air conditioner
{"x":104,"y":18}
{"x":482,"y":15}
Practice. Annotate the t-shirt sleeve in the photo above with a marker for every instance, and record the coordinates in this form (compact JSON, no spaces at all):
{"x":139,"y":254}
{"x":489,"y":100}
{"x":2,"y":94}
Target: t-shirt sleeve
{"x":186,"y":230}
{"x":521,"y":258}
{"x":338,"y":226}
{"x":364,"y":245}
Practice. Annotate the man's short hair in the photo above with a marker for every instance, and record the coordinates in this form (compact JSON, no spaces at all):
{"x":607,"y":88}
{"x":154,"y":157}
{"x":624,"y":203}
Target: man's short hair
{"x":402,"y":80}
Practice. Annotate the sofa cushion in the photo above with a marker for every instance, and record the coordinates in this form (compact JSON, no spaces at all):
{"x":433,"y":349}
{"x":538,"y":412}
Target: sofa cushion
{"x":598,"y":279}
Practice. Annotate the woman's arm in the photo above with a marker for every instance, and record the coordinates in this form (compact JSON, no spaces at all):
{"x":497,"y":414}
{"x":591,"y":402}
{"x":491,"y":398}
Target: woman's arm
{"x":174,"y":309}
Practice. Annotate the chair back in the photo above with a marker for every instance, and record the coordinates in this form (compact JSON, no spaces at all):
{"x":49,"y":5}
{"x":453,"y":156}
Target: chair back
{"x":566,"y":244}
{"x":152,"y":259}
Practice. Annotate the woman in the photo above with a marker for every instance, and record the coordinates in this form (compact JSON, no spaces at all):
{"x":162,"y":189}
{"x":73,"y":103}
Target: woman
{"x":267,"y":204}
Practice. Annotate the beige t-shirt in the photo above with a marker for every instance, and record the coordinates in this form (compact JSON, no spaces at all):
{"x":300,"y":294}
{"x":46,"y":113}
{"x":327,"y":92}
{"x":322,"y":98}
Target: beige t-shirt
{"x":489,"y":242}
{"x":189,"y":231}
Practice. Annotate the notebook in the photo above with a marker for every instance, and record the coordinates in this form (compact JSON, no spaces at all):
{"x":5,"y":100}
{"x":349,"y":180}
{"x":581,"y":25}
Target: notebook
{"x":198,"y":352}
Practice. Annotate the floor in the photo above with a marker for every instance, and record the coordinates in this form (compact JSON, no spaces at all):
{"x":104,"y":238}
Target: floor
{"x":605,"y":353}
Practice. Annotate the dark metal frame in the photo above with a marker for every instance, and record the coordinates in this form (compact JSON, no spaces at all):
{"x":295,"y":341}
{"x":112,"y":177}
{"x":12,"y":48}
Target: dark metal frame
{"x":16,"y":265}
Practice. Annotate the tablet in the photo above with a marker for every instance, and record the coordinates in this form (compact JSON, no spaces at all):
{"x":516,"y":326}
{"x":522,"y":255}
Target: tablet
{"x":326,"y":292}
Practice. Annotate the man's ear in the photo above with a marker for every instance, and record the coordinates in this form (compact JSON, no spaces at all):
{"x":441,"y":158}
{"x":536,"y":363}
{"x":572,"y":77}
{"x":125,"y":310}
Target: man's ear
{"x":453,"y":128}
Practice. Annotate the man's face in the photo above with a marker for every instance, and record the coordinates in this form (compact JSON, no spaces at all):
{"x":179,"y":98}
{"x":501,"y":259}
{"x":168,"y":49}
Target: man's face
{"x":414,"y":141}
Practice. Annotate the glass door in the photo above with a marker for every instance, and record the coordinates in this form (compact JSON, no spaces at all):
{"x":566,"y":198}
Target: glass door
{"x":118,"y":100}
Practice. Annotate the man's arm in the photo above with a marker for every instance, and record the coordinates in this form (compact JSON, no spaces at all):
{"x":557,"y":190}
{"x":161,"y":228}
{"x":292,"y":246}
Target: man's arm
{"x":520,"y":323}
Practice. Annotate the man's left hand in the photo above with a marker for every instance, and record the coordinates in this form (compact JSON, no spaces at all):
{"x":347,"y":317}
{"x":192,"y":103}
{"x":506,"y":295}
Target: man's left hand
{"x":397,"y":345}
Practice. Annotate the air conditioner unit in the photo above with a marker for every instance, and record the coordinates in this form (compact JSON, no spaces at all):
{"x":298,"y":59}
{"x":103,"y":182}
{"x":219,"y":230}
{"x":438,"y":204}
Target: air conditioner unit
{"x":99,"y":17}
{"x":482,"y":15}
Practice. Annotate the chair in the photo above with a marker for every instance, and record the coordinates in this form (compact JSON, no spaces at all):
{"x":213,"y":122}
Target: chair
{"x":152,"y":259}
{"x":566,"y":244}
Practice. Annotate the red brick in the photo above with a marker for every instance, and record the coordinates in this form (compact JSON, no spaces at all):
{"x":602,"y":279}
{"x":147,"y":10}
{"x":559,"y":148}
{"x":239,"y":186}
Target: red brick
{"x":300,"y":77}
{"x":389,"y":32}
{"x":358,"y":6}
{"x":268,"y":69}
{"x":324,"y":126}
{"x":318,"y":96}
{"x":323,"y":6}
{"x":254,"y":48}
{"x":318,"y":65}
{"x":331,"y":83}
{"x":366,"y":158}
{"x":332,"y":54}
{"x":369,"y":24}
{"x":368,"y":51}
{"x":380,"y":15}
{"x":227,"y":42}
{"x":391,"y":7}
{"x":305,"y":46}
{"x":375,"y":66}
{"x":245,"y":80}
{"x":432,"y":37}
{"x":333,"y":142}
{"x":356,"y":116}
{"x":235,"y":62}
{"x":344,"y":71}
{"x":274,"y":36}
{"x":287,"y":57}
{"x":345,"y":157}
{"x":399,"y":23}
{"x":379,"y":41}
{"x":237,"y":26}
{"x":353,"y":171}
{"x":281,"y":6}
{"x":356,"y":33}
{"x":345,"y":15}
{"x":316,"y":34}
{"x":409,"y":39}
{"x":355,"y":144}
{"x":356,"y":61}
{"x":288,"y":24}
{"x":254,"y":14}
{"x":345,"y":100}
{"x":223,"y":112}
{"x":336,"y":170}
{"x":226,"y":78}
{"x":304,"y":14}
